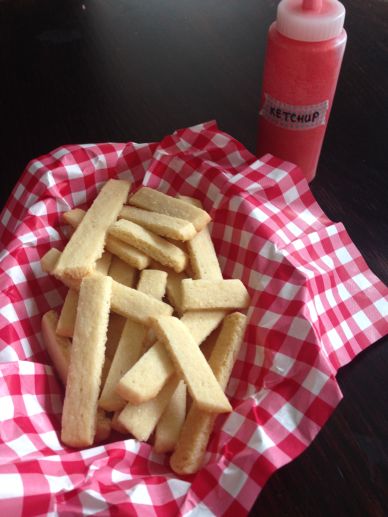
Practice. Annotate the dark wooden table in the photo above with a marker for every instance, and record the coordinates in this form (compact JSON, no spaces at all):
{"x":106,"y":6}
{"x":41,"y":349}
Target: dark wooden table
{"x":119,"y":70}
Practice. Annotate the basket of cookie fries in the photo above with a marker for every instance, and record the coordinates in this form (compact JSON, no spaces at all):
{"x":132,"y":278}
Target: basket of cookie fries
{"x":173,"y":315}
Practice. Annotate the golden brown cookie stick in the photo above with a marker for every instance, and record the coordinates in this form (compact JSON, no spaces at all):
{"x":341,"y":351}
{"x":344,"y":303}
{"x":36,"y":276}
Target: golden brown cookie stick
{"x":127,"y":253}
{"x":219,"y":294}
{"x":180,"y":244}
{"x":151,"y":199}
{"x":191,"y":364}
{"x":141,"y":420}
{"x":49,"y":260}
{"x":202,"y":255}
{"x":59,"y":350}
{"x":122,"y":272}
{"x":125,"y":301}
{"x":73,"y":217}
{"x":147,"y":377}
{"x":173,"y":287}
{"x":149,"y":243}
{"x":169,"y":426}
{"x":130,"y":345}
{"x":67,"y":317}
{"x":196,"y":430}
{"x":58,"y":347}
{"x":136,"y":305}
{"x":153,"y":282}
{"x":86,"y":362}
{"x":48,"y":263}
{"x":164,"y":225}
{"x":127,"y":353}
{"x":68,"y":314}
{"x":191,"y":200}
{"x":86,"y":244}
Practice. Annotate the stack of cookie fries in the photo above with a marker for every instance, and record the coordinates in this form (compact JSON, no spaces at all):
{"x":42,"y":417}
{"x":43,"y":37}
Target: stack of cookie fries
{"x":126,"y":356}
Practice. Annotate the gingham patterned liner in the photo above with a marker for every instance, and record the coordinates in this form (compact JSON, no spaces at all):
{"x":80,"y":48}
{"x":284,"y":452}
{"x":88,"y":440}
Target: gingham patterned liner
{"x":315,"y":305}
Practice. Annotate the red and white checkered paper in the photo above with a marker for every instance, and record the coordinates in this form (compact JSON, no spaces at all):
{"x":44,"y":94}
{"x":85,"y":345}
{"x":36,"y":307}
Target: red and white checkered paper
{"x":315,"y":305}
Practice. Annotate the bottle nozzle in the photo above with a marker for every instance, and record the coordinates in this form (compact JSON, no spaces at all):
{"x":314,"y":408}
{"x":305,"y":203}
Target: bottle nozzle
{"x":312,"y":5}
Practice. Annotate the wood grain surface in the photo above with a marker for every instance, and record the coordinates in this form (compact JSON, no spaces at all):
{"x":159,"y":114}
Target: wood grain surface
{"x":120,"y":70}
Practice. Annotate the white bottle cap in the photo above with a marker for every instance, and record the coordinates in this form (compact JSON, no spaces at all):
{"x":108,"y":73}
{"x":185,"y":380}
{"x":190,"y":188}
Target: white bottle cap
{"x":310,"y":20}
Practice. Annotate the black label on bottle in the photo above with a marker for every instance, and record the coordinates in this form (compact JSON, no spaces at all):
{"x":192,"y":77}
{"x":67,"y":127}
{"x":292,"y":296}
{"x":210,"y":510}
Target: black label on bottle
{"x":294,"y":117}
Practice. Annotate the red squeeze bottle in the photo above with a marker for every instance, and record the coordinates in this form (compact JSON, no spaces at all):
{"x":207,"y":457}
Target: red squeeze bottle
{"x":304,"y":53}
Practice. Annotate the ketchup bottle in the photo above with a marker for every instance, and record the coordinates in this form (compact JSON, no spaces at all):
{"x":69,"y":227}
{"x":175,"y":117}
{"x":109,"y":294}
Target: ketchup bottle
{"x":304,"y":53}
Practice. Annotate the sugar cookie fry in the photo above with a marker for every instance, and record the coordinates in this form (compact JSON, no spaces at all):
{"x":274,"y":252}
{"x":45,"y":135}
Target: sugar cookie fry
{"x":68,"y":314}
{"x":191,"y":364}
{"x":122,"y":272}
{"x":141,"y":420}
{"x":151,"y":199}
{"x":49,"y":260}
{"x":136,"y":305}
{"x":127,"y":353}
{"x":73,"y":217}
{"x":208,"y":294}
{"x":227,"y":346}
{"x":66,"y":322}
{"x":59,"y":350}
{"x":86,"y":362}
{"x":191,"y":200}
{"x":125,"y":301}
{"x":58,"y":347}
{"x":196,"y":430}
{"x":147,"y":377}
{"x":202,"y":255}
{"x":147,"y":368}
{"x":149,"y":243}
{"x":202,"y":323}
{"x":173,"y":287}
{"x":169,"y":426}
{"x":48,"y":263}
{"x":161,"y":224}
{"x":127,"y":253}
{"x":119,"y":270}
{"x":87,"y":243}
{"x":152,"y":283}
{"x":189,"y":360}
